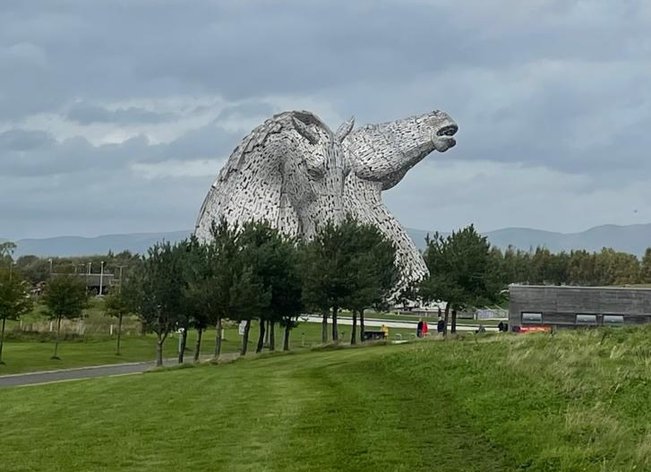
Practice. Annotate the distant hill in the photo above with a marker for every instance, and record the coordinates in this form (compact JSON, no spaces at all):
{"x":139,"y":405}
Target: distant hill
{"x":633,"y":239}
{"x":78,"y":246}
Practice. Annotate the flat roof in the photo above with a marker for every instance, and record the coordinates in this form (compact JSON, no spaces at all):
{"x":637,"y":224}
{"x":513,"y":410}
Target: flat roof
{"x":586,"y":287}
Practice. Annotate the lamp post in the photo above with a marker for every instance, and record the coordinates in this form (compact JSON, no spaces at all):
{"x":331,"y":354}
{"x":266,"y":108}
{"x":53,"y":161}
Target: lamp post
{"x":88,"y":278}
{"x":101,"y":277}
{"x":50,"y":261}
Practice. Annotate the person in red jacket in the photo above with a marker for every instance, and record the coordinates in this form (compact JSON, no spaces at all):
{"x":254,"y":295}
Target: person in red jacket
{"x":425,"y":328}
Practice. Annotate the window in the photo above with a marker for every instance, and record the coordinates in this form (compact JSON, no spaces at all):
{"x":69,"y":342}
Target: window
{"x":613,"y":319}
{"x":530,"y":317}
{"x":586,"y":319}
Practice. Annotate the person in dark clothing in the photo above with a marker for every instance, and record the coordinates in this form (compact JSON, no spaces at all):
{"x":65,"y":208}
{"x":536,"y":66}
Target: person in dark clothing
{"x":419,"y":329}
{"x":440,"y":325}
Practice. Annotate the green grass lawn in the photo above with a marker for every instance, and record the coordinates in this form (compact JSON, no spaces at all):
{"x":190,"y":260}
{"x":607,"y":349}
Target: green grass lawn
{"x":575,"y":401}
{"x":29,"y":356}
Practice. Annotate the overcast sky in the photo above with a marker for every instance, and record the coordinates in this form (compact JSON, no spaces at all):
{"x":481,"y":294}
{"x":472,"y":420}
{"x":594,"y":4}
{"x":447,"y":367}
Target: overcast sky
{"x":116,"y":115}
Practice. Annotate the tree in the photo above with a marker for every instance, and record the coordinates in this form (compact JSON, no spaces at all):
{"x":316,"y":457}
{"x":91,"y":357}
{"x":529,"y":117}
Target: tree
{"x":6,"y":252}
{"x":14,"y":300}
{"x":261,"y":257}
{"x":120,"y":302}
{"x":65,"y":297}
{"x":159,"y":285}
{"x":326,"y":270}
{"x":198,"y":294}
{"x":286,"y":287}
{"x":645,"y":269}
{"x":249,"y":300}
{"x":372,"y":271}
{"x":462,"y":272}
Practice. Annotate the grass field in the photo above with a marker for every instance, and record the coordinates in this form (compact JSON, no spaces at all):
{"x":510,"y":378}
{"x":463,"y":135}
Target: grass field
{"x":575,"y":401}
{"x":29,"y":356}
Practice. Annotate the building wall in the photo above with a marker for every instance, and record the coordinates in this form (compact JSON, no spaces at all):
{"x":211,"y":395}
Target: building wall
{"x":560,"y":305}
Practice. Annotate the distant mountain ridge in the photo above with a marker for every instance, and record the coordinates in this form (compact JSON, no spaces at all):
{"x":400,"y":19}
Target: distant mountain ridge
{"x":633,"y":239}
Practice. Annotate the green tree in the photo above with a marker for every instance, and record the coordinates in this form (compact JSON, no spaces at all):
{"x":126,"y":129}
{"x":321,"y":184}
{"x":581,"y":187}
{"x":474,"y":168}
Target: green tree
{"x":371,"y":271}
{"x":645,"y":269}
{"x":14,"y":300}
{"x":7,"y":249}
{"x":159,"y":291}
{"x":249,"y":300}
{"x":463,"y":272}
{"x":65,"y":297}
{"x":121,"y":301}
{"x":261,"y":256}
{"x":326,"y":270}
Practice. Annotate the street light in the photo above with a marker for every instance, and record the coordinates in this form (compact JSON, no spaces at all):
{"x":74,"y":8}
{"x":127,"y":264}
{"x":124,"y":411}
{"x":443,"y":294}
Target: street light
{"x":101,"y":276}
{"x":88,"y":278}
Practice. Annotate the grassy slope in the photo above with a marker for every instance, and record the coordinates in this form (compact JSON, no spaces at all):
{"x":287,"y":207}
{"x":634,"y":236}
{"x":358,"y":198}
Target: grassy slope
{"x":574,"y":401}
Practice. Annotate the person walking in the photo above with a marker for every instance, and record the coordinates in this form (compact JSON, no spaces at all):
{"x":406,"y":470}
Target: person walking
{"x":440,"y":325}
{"x":419,"y":328}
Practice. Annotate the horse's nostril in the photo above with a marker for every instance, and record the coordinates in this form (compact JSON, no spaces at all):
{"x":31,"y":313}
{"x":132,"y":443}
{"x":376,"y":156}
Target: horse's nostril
{"x":448,"y":130}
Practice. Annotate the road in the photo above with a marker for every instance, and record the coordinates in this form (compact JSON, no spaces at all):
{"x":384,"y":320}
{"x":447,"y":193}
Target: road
{"x":74,"y":374}
{"x":109,"y":370}
{"x":376,"y":323}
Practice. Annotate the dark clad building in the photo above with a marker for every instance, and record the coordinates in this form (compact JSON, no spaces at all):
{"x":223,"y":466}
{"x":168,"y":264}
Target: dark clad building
{"x":569,"y":306}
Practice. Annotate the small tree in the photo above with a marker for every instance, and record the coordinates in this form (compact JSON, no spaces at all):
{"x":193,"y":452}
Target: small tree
{"x":249,"y":300}
{"x":372,"y":272}
{"x":463,"y":272}
{"x":326,"y":270}
{"x":120,"y":302}
{"x":14,"y":300}
{"x":159,"y":286}
{"x":65,"y":297}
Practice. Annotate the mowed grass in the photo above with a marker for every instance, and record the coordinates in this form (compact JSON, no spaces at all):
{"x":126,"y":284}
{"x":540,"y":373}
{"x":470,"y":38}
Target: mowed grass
{"x":30,"y":356}
{"x":575,"y":401}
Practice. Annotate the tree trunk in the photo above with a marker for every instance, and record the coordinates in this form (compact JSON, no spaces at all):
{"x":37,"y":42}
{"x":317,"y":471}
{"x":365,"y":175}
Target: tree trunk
{"x":286,"y":337}
{"x":454,"y":321}
{"x":353,"y":334}
{"x":245,"y":338}
{"x":184,"y":341}
{"x":197,"y":346}
{"x":2,"y":339}
{"x":258,"y":349}
{"x":159,"y":350}
{"x":445,"y":319}
{"x":267,"y":334}
{"x":335,"y":328}
{"x":218,"y":338}
{"x":361,"y":325}
{"x":56,"y":341}
{"x":117,"y":349}
{"x":324,"y":327}
{"x":272,"y":336}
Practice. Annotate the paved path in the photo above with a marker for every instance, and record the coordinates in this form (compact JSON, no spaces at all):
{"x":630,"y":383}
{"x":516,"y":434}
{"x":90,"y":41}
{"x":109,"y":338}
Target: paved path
{"x":34,"y":378}
{"x":74,"y":374}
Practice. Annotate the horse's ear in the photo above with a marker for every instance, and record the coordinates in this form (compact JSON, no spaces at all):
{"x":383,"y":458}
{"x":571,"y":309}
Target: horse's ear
{"x":302,"y":129}
{"x":345,"y":129}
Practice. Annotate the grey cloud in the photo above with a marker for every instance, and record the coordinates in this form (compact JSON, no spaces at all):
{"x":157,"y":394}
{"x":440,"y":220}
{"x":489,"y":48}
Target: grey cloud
{"x":23,"y":140}
{"x":560,"y":84}
{"x":34,"y":153}
{"x":86,"y":114}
